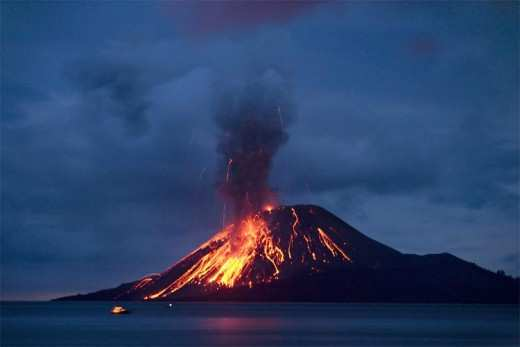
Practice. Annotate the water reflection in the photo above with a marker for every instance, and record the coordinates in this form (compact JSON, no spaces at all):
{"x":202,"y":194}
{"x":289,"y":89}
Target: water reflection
{"x":224,"y":324}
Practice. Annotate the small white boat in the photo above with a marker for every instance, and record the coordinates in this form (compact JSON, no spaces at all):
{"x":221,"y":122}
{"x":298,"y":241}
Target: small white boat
{"x":119,"y":310}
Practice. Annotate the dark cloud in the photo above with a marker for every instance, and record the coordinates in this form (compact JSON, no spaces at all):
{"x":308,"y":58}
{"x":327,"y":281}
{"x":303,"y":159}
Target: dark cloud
{"x":463,"y":167}
{"x":118,"y":90}
{"x":82,"y":190}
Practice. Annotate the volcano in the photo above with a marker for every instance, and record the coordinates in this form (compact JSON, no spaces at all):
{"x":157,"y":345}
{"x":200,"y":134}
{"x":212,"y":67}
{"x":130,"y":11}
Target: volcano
{"x":305,"y":253}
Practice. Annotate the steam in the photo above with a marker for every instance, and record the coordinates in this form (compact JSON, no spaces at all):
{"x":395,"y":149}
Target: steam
{"x":252,"y":121}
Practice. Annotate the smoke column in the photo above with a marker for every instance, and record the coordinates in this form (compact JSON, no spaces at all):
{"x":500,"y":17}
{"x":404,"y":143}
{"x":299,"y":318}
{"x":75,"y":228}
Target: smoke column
{"x":252,"y":121}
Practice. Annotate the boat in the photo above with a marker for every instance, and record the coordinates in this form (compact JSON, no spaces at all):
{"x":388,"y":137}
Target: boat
{"x":119,"y":310}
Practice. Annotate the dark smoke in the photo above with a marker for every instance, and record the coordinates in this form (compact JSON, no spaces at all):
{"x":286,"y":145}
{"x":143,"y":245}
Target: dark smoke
{"x":252,"y":122}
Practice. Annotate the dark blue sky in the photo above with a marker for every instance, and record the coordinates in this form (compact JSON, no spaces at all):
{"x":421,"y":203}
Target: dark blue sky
{"x":406,"y":126}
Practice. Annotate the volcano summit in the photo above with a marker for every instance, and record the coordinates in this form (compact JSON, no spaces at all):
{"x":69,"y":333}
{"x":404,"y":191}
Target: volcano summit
{"x":305,"y":253}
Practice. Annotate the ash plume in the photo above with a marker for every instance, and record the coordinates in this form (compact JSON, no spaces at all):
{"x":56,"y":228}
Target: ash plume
{"x":252,"y":121}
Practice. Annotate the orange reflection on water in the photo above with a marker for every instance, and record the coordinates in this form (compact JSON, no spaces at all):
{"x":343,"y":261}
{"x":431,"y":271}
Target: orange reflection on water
{"x":240,"y":323}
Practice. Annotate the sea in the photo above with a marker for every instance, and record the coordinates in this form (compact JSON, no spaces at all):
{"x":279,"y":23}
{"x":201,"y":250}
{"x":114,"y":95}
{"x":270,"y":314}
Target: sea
{"x":257,"y":324}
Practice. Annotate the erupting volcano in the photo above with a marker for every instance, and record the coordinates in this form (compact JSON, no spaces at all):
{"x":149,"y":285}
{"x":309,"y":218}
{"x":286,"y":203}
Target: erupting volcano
{"x":305,"y":253}
{"x":266,"y":251}
{"x":260,"y":249}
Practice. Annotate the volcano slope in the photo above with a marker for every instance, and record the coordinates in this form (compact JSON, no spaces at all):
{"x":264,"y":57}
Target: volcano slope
{"x":305,"y":253}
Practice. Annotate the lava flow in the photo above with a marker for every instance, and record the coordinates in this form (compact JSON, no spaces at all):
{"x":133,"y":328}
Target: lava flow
{"x":261,"y":248}
{"x":264,"y":243}
{"x":305,"y":253}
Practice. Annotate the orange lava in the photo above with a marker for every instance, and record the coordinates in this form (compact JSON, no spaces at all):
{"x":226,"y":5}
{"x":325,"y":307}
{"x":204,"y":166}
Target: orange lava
{"x":333,"y":247}
{"x":246,"y":254}
{"x":294,"y":232}
{"x":227,"y":264}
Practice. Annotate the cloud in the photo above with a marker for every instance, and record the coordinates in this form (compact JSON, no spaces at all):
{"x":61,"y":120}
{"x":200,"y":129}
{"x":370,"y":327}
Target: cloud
{"x":116,"y":88}
{"x":389,"y":148}
{"x":82,"y":189}
{"x":201,"y":19}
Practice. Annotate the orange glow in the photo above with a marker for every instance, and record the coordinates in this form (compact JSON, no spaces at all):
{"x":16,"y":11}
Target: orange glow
{"x":142,"y":283}
{"x":229,"y":264}
{"x":269,"y":208}
{"x":333,"y":247}
{"x":294,"y":233}
{"x":296,"y":220}
{"x":308,"y":242}
{"x":246,"y":254}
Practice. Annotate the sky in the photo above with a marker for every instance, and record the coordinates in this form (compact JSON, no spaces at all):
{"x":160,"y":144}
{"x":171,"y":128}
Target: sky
{"x":405,"y":125}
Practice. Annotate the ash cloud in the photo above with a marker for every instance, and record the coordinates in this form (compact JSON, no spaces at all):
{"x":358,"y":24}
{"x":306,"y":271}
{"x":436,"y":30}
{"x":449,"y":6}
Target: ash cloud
{"x":252,"y":120}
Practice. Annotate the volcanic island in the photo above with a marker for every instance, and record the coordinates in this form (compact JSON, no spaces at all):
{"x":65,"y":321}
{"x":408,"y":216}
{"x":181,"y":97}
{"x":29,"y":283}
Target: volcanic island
{"x":305,"y":253}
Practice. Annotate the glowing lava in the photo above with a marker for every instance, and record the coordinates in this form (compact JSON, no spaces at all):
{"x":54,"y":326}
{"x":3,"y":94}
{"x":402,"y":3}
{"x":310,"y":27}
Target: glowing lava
{"x":246,"y":254}
{"x":230,"y":263}
{"x":269,"y":208}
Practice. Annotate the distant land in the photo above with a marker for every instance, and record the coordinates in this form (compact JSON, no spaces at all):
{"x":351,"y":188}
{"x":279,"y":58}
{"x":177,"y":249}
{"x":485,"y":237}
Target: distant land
{"x":305,"y":253}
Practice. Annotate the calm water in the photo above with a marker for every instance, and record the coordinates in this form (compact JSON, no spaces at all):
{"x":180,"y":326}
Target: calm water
{"x":154,"y":324}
